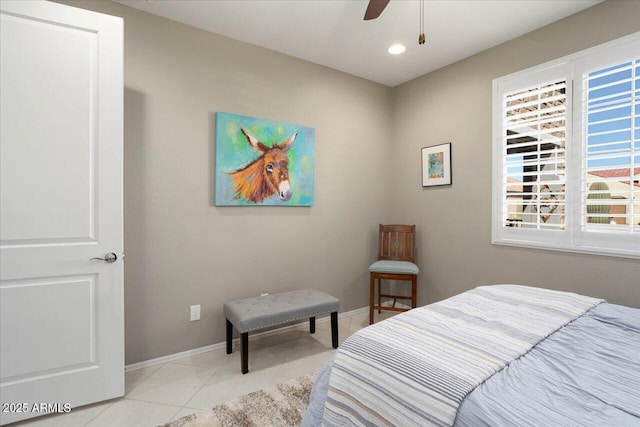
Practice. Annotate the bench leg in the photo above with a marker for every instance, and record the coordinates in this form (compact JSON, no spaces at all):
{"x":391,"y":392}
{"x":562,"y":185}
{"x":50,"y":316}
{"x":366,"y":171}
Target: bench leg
{"x":244,"y":355}
{"x":312,"y":325}
{"x":334,"y":329}
{"x":229,"y":337}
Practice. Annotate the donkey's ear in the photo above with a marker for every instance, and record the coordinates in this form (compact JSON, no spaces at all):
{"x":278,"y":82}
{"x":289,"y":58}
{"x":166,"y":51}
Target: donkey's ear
{"x":255,"y":144}
{"x":287,"y":144}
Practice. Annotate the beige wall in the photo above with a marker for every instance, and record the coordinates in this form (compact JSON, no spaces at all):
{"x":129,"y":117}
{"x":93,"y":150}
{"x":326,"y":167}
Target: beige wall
{"x":182,"y":250}
{"x":454,"y":105}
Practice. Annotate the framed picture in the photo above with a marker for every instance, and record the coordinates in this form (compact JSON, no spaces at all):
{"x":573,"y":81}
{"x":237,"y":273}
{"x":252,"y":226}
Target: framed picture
{"x":436,"y":165}
{"x":263,"y":163}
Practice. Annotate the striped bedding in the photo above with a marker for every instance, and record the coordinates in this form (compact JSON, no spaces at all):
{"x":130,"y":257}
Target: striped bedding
{"x":417,"y":367}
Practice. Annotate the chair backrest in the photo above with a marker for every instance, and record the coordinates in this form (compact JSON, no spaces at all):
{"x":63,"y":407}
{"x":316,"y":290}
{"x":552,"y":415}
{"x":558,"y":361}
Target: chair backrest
{"x":397,"y":242}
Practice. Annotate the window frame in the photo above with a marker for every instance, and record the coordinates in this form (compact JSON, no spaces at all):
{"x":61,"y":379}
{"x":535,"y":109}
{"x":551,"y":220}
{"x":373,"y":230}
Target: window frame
{"x":573,"y":238}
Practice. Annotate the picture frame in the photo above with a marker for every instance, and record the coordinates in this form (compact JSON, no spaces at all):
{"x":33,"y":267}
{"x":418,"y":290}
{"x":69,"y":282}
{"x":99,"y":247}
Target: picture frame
{"x":436,"y":165}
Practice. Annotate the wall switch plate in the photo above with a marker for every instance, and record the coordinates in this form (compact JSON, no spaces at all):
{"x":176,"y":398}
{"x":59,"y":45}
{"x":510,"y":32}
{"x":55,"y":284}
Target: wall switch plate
{"x":195,"y":312}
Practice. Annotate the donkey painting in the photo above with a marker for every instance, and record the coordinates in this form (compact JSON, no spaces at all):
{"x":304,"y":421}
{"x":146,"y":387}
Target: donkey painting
{"x":265,"y":176}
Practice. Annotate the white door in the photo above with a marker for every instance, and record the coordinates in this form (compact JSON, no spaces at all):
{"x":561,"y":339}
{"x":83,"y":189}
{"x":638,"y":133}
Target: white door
{"x":61,"y":314}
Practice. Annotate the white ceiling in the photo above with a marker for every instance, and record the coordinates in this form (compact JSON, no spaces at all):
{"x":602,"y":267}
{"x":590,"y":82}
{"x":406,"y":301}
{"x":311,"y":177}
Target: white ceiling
{"x":333,"y":33}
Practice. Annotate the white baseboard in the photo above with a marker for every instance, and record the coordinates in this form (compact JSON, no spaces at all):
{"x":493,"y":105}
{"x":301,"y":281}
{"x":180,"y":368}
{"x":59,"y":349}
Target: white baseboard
{"x":220,"y":345}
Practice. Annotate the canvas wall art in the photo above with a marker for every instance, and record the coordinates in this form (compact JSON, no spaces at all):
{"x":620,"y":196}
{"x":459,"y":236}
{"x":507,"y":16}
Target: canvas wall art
{"x":263,"y":163}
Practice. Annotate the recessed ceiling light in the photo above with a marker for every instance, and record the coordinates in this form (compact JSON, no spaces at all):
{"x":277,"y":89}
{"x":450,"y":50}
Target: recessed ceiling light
{"x":396,"y":49}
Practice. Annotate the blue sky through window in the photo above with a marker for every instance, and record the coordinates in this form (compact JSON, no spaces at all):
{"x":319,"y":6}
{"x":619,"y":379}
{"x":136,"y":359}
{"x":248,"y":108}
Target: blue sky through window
{"x":613,"y":117}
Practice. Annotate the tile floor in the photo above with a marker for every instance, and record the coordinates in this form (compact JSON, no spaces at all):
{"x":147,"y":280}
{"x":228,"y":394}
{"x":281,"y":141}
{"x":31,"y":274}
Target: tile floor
{"x":168,"y":391}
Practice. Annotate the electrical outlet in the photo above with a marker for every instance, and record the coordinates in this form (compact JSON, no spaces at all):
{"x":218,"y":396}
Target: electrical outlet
{"x":195,"y":312}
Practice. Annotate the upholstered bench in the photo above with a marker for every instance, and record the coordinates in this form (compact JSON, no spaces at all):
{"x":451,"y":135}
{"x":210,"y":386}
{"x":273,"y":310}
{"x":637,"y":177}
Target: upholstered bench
{"x":251,"y":314}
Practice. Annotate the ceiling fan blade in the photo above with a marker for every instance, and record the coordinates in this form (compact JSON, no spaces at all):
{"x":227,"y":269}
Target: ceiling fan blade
{"x":375,"y":8}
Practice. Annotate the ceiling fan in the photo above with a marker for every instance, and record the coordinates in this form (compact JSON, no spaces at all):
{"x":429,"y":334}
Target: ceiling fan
{"x":375,"y":8}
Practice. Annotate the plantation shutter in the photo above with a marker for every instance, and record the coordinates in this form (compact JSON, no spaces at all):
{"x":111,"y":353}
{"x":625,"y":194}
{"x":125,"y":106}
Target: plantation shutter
{"x":611,"y":148}
{"x":566,"y":153}
{"x":534,"y":155}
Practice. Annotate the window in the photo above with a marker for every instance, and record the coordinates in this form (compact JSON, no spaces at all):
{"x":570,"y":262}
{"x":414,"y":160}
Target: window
{"x":566,"y":153}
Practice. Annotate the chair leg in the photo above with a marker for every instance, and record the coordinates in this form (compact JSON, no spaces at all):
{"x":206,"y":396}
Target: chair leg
{"x":372,"y":290}
{"x":379,"y":295}
{"x":414,"y":291}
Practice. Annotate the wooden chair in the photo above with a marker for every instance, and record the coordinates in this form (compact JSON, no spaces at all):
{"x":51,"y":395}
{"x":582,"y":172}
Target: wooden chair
{"x":396,"y":261}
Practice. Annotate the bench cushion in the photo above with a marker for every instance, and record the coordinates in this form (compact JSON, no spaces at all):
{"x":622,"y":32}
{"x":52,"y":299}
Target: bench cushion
{"x":250,"y":314}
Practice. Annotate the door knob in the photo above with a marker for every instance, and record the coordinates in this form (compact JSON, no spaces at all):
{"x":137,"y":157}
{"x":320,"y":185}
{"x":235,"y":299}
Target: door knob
{"x":108,"y":258}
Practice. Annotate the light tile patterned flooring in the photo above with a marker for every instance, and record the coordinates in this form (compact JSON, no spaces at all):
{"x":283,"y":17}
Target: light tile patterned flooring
{"x":168,"y":391}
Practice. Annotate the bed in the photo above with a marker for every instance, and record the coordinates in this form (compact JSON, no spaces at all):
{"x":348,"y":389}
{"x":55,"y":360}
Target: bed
{"x":499,"y":355}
